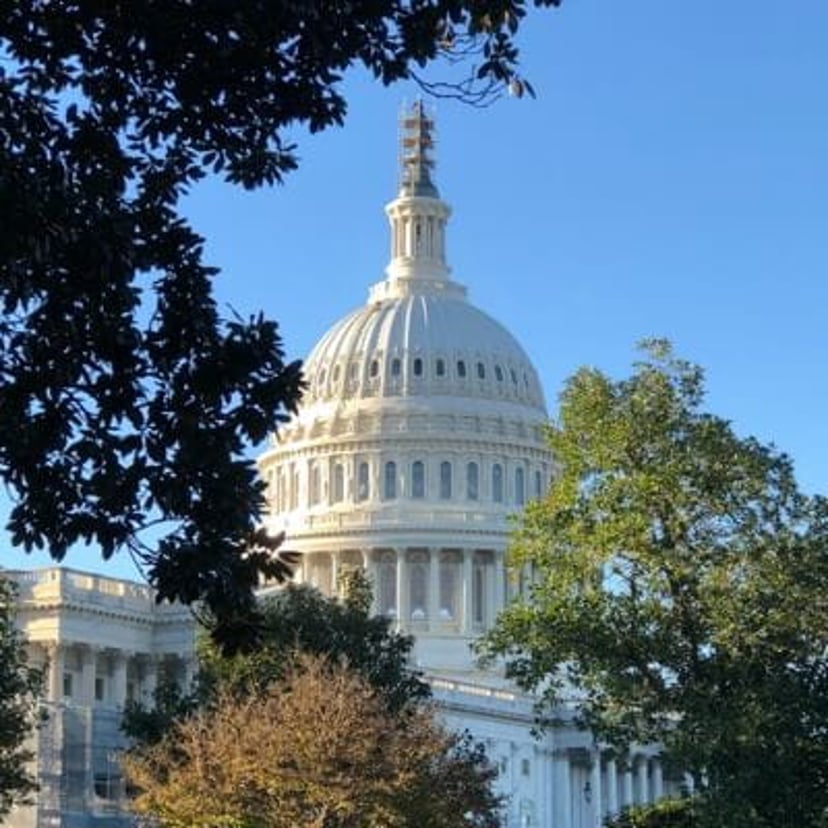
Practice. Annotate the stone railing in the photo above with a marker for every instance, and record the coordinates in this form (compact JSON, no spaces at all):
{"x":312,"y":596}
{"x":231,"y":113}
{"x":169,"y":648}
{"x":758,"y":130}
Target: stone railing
{"x":57,"y":584}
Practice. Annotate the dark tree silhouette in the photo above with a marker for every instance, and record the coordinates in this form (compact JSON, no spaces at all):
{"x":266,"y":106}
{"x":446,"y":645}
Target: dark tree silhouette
{"x":127,"y":400}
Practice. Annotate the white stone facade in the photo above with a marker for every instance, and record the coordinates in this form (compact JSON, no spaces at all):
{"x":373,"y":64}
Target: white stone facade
{"x":419,"y":435}
{"x":101,"y":641}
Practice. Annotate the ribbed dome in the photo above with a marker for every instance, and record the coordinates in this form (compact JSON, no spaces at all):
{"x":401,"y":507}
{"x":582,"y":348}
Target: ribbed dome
{"x":421,"y":343}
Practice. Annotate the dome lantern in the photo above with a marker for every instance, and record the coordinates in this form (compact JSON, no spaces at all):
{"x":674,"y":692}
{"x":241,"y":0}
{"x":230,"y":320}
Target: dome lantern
{"x":418,"y":218}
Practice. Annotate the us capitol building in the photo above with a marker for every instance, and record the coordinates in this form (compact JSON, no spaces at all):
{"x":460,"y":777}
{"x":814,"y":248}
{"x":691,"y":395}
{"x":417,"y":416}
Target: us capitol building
{"x":419,"y":434}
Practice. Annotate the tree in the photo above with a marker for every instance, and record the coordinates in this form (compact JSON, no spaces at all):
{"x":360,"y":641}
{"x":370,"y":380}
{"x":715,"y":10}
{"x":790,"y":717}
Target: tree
{"x":128,"y":401}
{"x":297,"y":622}
{"x":19,"y":689}
{"x":318,"y":748}
{"x":680,"y":590}
{"x":669,"y":813}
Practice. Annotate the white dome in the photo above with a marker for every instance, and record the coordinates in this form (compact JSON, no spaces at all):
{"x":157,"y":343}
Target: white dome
{"x":419,"y":434}
{"x":421,"y":344}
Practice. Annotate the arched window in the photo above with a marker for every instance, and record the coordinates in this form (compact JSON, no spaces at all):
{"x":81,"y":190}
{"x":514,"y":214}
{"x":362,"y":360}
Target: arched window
{"x":418,"y":479}
{"x":445,"y":480}
{"x":520,"y":486}
{"x":418,"y":367}
{"x":374,"y":369}
{"x":363,"y":482}
{"x":472,"y":481}
{"x":314,"y":487}
{"x":498,"y":373}
{"x":396,"y":367}
{"x":461,"y":369}
{"x":390,"y":484}
{"x":440,"y":368}
{"x":497,"y":483}
{"x":338,"y":483}
{"x":481,"y":370}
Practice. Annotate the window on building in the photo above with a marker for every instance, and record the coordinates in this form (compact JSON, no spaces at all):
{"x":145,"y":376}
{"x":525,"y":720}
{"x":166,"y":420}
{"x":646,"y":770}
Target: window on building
{"x":472,"y":481}
{"x":389,"y":491}
{"x":513,"y":375}
{"x":396,"y":367}
{"x":479,"y":594}
{"x":450,"y":578}
{"x":315,"y":485}
{"x":538,"y":484}
{"x":67,"y":685}
{"x":418,"y":587}
{"x":363,"y":482}
{"x":498,"y":373}
{"x":461,"y":369}
{"x":387,"y":585}
{"x":481,"y":370}
{"x":440,"y":368}
{"x":336,"y":372}
{"x":418,"y":367}
{"x":520,"y":486}
{"x":445,"y":480}
{"x":374,"y":369}
{"x":418,"y":479}
{"x":100,"y":688}
{"x":497,"y":483}
{"x":338,"y":483}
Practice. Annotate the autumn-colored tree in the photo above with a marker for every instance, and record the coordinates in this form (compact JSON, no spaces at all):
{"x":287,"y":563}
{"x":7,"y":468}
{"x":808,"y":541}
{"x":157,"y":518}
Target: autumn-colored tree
{"x":318,"y":748}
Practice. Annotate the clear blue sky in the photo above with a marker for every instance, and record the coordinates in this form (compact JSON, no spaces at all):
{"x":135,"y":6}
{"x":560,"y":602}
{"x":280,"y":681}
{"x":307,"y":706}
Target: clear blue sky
{"x":671,"y":179}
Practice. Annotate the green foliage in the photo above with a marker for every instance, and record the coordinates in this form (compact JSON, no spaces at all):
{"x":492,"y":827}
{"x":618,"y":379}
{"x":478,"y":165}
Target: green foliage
{"x":19,"y":689}
{"x":296,"y":622}
{"x":128,"y":401}
{"x":300,"y":620}
{"x":681,"y":583}
{"x":669,"y":813}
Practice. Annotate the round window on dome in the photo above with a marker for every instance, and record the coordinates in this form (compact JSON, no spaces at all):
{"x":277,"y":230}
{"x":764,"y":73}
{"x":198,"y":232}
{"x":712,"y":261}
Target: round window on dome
{"x":418,"y":367}
{"x":461,"y":369}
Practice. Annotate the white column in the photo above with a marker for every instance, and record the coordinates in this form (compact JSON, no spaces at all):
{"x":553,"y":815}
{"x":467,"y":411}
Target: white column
{"x":658,"y":779}
{"x":612,"y":787}
{"x":119,"y":677}
{"x":643,"y":782}
{"x":595,"y":784}
{"x":500,"y":582}
{"x":402,"y":585}
{"x":467,"y":591}
{"x":56,"y":668}
{"x":627,"y":789}
{"x":563,"y":791}
{"x":434,"y":588}
{"x":334,"y":574}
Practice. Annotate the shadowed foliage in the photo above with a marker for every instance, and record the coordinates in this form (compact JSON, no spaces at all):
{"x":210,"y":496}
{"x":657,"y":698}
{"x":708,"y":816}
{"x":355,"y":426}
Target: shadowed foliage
{"x":128,"y":401}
